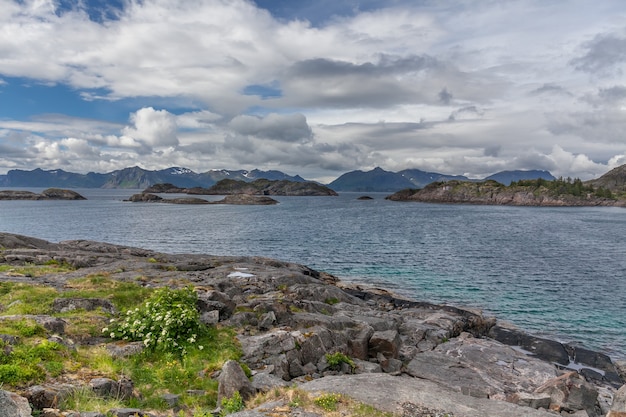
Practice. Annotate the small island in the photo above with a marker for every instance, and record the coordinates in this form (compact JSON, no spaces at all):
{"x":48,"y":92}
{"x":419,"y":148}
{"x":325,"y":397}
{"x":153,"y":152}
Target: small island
{"x":236,"y":199}
{"x":48,"y":194}
{"x":257,"y":187}
{"x":540,"y":192}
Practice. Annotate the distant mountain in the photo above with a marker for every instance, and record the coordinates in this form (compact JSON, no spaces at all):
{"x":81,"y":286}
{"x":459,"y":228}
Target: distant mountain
{"x":614,"y":180}
{"x":507,"y":177}
{"x":421,"y":179}
{"x":371,"y":181}
{"x":134,"y":177}
{"x":384,"y":181}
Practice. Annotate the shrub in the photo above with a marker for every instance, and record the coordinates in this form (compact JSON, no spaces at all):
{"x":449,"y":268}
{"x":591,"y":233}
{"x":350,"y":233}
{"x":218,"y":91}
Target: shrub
{"x":335,"y":360}
{"x":168,"y":321}
{"x":232,"y":404}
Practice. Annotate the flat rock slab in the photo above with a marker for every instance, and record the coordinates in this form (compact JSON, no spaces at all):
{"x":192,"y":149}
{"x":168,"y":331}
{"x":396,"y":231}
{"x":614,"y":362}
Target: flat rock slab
{"x":389,"y":393}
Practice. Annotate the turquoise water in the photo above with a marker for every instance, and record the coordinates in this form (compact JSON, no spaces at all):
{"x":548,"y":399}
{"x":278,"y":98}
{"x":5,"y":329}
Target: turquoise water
{"x":556,"y":272}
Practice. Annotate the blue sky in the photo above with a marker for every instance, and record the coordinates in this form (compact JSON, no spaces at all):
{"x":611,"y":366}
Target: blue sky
{"x":315,"y":88}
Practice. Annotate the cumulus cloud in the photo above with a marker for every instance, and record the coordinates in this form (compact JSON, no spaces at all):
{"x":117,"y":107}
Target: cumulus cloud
{"x":153,"y":127}
{"x":469,"y":90}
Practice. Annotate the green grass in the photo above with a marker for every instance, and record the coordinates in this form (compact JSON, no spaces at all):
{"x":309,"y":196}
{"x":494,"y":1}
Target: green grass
{"x":33,"y":270}
{"x":32,"y":359}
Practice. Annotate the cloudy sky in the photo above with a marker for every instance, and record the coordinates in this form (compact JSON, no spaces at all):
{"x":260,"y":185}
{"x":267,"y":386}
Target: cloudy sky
{"x":314,"y":87}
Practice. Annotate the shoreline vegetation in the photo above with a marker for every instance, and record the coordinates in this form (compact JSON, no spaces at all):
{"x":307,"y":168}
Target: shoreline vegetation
{"x":557,"y":193}
{"x":112,"y":330}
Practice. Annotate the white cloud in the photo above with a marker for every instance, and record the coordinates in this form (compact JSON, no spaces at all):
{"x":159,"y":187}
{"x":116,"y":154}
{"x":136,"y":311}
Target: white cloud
{"x":470,"y":88}
{"x":153,"y":127}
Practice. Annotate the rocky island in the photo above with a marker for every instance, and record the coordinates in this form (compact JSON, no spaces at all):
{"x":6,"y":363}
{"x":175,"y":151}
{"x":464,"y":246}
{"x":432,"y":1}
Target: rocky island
{"x":48,"y":194}
{"x":540,"y":192}
{"x":256,"y":187}
{"x":235,"y":199}
{"x":79,"y":320}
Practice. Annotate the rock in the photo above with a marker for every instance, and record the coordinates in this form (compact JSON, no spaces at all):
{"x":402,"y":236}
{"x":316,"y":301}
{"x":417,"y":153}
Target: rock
{"x":358,"y":341}
{"x":264,"y":382}
{"x":48,"y":396}
{"x":171,"y":400}
{"x":233,"y":379}
{"x":481,"y":367}
{"x":548,"y":350}
{"x":60,"y":194}
{"x":618,"y":407}
{"x":210,"y":318}
{"x":386,"y":342}
{"x":63,"y":305}
{"x":108,"y":388}
{"x":13,"y":405}
{"x":144,"y":198}
{"x":531,"y":400}
{"x":366,"y":367}
{"x":246,"y":199}
{"x":388,"y":393}
{"x":128,"y":412}
{"x":52,"y":324}
{"x":570,"y":392}
{"x":49,"y":194}
{"x":123,"y":350}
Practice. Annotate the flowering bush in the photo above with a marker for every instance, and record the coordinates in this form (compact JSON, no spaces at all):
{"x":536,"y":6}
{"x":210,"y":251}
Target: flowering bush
{"x":168,"y":321}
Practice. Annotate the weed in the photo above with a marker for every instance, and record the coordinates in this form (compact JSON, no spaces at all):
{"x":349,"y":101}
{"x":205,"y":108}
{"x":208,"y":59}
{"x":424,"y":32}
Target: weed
{"x":331,"y":300}
{"x":232,"y":405}
{"x":328,"y":402}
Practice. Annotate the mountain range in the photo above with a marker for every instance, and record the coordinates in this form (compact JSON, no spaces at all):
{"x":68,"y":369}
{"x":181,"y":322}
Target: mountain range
{"x":376,"y":180}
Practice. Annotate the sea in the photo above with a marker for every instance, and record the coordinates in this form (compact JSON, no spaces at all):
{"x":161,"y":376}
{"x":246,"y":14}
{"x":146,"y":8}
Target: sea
{"x":558,"y":273}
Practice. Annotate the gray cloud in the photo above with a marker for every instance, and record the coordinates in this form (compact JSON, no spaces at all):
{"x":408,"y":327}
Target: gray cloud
{"x":604,"y":54}
{"x":550,"y":88}
{"x":613,"y":94}
{"x":444,"y":96}
{"x":284,"y":128}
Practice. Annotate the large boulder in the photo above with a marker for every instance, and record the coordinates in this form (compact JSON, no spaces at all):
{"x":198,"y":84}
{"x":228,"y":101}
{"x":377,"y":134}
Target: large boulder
{"x":387,"y":342}
{"x":483,"y":368}
{"x":232,"y":379}
{"x":12,"y":405}
{"x":571,"y":393}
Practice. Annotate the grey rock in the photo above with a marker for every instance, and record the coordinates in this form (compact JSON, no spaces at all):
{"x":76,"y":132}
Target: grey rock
{"x":108,"y":388}
{"x":387,"y":342}
{"x":570,"y":392}
{"x":532,"y":400}
{"x":389,"y":393}
{"x":233,"y":379}
{"x":63,"y":305}
{"x":171,"y":400}
{"x":13,"y":405}
{"x":267,"y":321}
{"x":123,"y":350}
{"x":265,"y":382}
{"x":366,"y":367}
{"x":128,"y":412}
{"x":358,"y":341}
{"x":210,"y":318}
{"x":618,"y":407}
{"x":48,"y":396}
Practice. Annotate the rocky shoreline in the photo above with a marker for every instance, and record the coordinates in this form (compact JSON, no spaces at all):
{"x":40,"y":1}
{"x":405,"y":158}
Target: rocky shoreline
{"x":408,"y":357}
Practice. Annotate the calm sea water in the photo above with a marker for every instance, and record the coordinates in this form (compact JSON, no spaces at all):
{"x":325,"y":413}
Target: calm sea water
{"x":556,"y":272}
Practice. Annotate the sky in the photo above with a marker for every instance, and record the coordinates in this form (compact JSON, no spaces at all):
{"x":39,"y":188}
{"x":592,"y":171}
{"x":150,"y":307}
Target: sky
{"x":314,"y":87}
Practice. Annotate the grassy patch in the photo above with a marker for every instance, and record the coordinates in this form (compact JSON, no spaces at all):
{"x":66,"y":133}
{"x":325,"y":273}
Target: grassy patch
{"x":34,"y":270}
{"x":19,"y":298}
{"x":325,"y":404}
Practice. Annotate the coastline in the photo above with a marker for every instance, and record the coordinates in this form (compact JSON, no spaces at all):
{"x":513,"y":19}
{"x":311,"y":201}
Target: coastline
{"x":289,"y":316}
